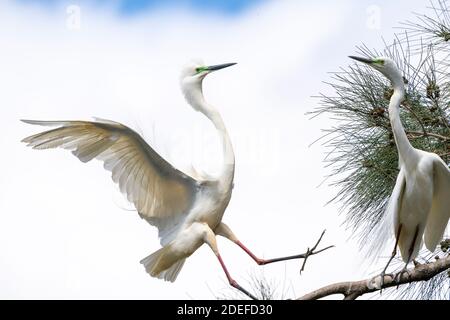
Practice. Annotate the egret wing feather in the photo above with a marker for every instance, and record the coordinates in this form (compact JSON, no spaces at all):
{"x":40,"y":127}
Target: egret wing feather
{"x":440,"y":208}
{"x":160,"y":193}
{"x":386,"y":228}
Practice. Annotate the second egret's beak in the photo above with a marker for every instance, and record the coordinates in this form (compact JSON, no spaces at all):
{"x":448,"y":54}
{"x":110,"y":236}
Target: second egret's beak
{"x":220,"y":66}
{"x":360,"y":59}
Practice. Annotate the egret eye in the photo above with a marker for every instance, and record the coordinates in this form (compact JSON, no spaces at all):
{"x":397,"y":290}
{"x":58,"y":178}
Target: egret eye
{"x":379,"y":61}
{"x":200,"y":69}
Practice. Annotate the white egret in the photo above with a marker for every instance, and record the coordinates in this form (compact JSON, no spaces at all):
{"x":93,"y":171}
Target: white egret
{"x":419,"y":206}
{"x":187,"y":210}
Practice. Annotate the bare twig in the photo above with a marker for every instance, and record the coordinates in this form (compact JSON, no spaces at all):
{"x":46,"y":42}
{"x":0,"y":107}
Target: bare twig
{"x":310,"y":252}
{"x":353,"y":289}
{"x":430,"y":134}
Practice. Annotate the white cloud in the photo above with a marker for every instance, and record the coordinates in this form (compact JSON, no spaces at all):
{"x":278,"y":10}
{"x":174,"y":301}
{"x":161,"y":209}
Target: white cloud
{"x":62,"y":229}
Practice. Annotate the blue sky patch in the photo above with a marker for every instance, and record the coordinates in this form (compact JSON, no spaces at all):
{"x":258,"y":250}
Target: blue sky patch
{"x":223,"y":6}
{"x":130,"y":7}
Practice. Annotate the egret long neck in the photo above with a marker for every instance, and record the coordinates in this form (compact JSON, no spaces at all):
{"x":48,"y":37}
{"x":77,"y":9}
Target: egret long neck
{"x":227,"y":147}
{"x":404,"y":147}
{"x":227,"y":173}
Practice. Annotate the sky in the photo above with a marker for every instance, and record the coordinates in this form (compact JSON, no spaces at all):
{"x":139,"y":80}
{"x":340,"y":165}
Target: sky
{"x":66,"y":232}
{"x":135,"y":7}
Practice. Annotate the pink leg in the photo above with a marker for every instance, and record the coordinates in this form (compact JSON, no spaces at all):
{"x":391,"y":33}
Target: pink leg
{"x":267,"y":261}
{"x":305,"y":256}
{"x":225,"y":231}
{"x":233,"y":282}
{"x":257,"y":260}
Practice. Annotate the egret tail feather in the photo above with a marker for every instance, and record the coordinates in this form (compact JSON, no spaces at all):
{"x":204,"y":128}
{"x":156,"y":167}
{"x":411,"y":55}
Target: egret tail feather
{"x":158,"y":266}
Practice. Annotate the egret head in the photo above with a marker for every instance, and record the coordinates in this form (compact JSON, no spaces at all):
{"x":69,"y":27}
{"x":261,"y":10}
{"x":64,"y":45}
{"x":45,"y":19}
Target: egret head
{"x":196,"y":70}
{"x":384,"y":65}
{"x":192,"y":75}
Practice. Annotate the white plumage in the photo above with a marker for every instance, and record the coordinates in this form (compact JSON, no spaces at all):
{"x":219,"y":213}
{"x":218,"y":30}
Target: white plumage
{"x":186,"y":209}
{"x":419,"y":207}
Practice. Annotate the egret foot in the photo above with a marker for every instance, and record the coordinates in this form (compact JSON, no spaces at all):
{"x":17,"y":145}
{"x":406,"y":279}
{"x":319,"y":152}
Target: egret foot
{"x":261,"y":262}
{"x":379,"y":280}
{"x":399,"y":275}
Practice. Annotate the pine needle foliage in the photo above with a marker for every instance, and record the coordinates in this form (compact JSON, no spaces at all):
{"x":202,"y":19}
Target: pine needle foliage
{"x":361,"y":152}
{"x":362,"y":155}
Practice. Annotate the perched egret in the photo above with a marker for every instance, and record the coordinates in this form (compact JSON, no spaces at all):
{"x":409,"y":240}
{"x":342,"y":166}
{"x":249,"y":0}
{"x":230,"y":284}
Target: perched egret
{"x":186,"y":209}
{"x":419,"y":206}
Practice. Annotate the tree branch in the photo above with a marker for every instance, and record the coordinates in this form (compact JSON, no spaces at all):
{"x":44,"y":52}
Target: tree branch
{"x":430,"y":134}
{"x":354,"y":289}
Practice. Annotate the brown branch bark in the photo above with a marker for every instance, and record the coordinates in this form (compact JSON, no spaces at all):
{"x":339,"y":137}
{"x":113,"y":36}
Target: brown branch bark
{"x":354,"y":289}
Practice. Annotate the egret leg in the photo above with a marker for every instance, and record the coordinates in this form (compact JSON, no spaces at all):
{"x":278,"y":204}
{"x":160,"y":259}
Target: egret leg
{"x":394,"y":252}
{"x":309,"y":252}
{"x":210,"y":239}
{"x":261,"y":262}
{"x":225,"y":231}
{"x":233,"y":282}
{"x":399,"y":275}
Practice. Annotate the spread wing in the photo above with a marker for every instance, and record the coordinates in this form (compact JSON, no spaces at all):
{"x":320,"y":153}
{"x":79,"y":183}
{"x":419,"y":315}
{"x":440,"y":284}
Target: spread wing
{"x":161,"y":194}
{"x":440,"y":207}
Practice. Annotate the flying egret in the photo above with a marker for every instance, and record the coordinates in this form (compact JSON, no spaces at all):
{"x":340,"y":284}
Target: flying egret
{"x":186,"y":209}
{"x":419,"y":206}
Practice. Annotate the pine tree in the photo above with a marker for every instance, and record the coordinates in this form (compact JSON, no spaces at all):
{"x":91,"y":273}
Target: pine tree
{"x":362,"y":153}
